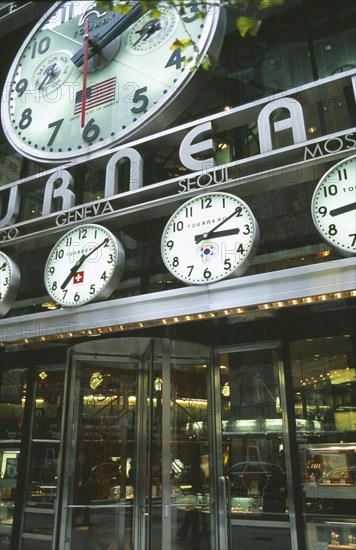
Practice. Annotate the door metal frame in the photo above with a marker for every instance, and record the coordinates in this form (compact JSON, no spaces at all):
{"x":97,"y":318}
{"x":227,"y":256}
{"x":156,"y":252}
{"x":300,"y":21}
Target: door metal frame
{"x":222,"y":515}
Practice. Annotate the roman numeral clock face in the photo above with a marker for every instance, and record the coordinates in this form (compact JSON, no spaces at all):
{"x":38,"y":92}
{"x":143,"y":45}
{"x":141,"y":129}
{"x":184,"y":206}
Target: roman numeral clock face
{"x":84,"y":266}
{"x":209,"y":238}
{"x":85,"y":79}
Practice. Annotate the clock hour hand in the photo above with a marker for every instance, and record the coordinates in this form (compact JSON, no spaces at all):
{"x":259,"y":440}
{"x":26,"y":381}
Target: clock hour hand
{"x":343,"y":209}
{"x":205,"y":236}
{"x":217,"y":234}
{"x":111,"y":31}
{"x":147,"y":30}
{"x":49,"y":74}
{"x":80,"y":262}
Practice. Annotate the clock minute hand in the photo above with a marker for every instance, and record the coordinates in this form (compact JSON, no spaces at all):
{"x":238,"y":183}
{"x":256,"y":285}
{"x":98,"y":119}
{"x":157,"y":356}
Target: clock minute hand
{"x":108,"y":34}
{"x":204,"y":236}
{"x":343,"y":209}
{"x":80,"y":262}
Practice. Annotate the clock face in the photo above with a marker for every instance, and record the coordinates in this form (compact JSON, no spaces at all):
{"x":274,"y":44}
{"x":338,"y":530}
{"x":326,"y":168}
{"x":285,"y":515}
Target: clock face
{"x":9,"y":283}
{"x":62,"y":100}
{"x":334,"y":206}
{"x":209,"y":238}
{"x":85,"y":265}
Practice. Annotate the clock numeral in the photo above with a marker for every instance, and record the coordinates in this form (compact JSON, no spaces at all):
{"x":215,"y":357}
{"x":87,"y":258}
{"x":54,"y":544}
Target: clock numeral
{"x":104,"y":276}
{"x":332,"y":229}
{"x":353,"y":236}
{"x":91,"y":131}
{"x":59,"y":254}
{"x":21,"y":86}
{"x":82,"y":233}
{"x":68,"y":241}
{"x":26,"y":119}
{"x":207,"y":273}
{"x":330,"y":190}
{"x":205,"y":202}
{"x":111,"y":258}
{"x":175,"y":262}
{"x":6,"y":282}
{"x":139,"y":96}
{"x":51,"y":270}
{"x":247,"y":230}
{"x":41,"y":46}
{"x":64,"y":292}
{"x":67,"y":12}
{"x":227,"y":264}
{"x":176,"y":59}
{"x":322,"y":210}
{"x":76,"y":297}
{"x":190,"y":267}
{"x":178,"y":226}
{"x":54,"y":285}
{"x":170,"y":244}
{"x":342,"y":174}
{"x":56,"y":125}
{"x":3,"y":267}
{"x":92,"y":290}
{"x":240,"y":249}
{"x":194,"y":10}
{"x":189,"y":212}
{"x":238,"y":212}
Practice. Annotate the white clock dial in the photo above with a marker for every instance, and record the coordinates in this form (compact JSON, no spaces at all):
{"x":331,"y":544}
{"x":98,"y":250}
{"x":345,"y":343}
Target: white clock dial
{"x":209,"y":238}
{"x":63,"y":101}
{"x":334,"y":206}
{"x":9,"y":283}
{"x":85,"y":265}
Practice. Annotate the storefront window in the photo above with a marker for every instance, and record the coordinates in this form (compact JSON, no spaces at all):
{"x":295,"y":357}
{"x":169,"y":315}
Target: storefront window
{"x":12,"y":402}
{"x":324,"y":397}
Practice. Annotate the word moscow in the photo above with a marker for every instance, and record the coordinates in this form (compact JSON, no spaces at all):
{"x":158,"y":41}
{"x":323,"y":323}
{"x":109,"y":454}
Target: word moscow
{"x":193,"y":139}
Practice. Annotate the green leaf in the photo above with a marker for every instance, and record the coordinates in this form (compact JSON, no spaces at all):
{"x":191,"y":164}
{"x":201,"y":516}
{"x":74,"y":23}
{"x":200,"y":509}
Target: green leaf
{"x":246,"y":25}
{"x":268,"y":3}
{"x":181,"y":44}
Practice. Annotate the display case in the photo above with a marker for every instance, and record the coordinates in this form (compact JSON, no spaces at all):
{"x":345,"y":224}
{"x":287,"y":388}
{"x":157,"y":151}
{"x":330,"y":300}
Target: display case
{"x":8,"y":480}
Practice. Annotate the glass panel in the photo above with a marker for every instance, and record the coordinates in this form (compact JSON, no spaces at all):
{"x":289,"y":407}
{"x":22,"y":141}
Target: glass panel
{"x":12,"y":401}
{"x":102,"y":486}
{"x":253,"y":446}
{"x":324,"y":396}
{"x":41,"y":489}
{"x":190,"y":447}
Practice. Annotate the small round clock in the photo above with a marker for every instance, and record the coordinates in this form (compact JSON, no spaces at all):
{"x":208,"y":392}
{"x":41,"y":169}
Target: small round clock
{"x":85,"y":265}
{"x":9,"y":283}
{"x":209,"y":238}
{"x":85,"y":79}
{"x":333,"y":206}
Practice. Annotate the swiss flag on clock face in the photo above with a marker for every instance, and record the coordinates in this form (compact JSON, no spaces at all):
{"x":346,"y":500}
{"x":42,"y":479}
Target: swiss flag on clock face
{"x":78,"y":277}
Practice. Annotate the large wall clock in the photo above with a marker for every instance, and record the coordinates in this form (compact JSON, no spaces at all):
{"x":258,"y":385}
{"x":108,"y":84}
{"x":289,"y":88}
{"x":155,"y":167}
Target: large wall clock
{"x":333,"y":206}
{"x":210,"y":237}
{"x":84,"y":266}
{"x":86,"y":80}
{"x":9,"y":282}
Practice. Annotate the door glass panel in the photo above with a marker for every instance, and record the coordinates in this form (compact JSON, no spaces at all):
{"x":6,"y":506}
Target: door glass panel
{"x":12,"y":402}
{"x":102,"y":482}
{"x":42,"y":478}
{"x":253,"y":449}
{"x":325,"y":408}
{"x":190,"y":447}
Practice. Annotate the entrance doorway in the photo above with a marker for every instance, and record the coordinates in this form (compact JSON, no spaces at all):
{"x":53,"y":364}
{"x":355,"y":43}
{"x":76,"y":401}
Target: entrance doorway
{"x":254,"y":486}
{"x":135,"y":469}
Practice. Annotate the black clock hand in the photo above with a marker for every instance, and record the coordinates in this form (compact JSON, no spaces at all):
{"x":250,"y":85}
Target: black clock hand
{"x":111,"y":31}
{"x":49,"y":74}
{"x":80,"y":262}
{"x":217,"y":234}
{"x":147,"y":30}
{"x":236,"y":212}
{"x":343,"y":209}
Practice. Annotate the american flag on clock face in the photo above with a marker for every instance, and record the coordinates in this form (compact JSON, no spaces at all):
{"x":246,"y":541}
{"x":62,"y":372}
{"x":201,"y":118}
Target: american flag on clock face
{"x":97,"y":94}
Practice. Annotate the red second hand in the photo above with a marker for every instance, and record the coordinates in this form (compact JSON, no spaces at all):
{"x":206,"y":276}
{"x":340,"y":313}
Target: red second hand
{"x":85,"y":71}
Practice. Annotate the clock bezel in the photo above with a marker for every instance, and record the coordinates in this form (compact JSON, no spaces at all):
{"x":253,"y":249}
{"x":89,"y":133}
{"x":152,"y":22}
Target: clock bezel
{"x":157,"y":118}
{"x":337,"y":246}
{"x":15,"y":279}
{"x":115,"y":276}
{"x":242,"y":266}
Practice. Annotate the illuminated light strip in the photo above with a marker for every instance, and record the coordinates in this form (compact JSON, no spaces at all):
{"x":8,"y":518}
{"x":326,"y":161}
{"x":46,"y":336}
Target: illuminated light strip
{"x":333,"y":296}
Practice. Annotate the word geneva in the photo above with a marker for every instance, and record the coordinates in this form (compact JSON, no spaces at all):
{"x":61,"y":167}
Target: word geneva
{"x":197,"y":153}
